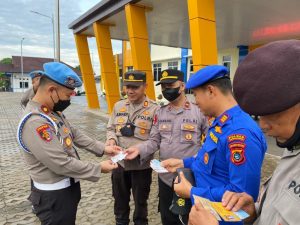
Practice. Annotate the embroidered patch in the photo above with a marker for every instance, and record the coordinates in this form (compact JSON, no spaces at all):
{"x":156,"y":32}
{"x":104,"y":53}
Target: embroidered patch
{"x":188,"y":127}
{"x":188,"y":136}
{"x":118,"y":128}
{"x":146,"y":103}
{"x":142,"y":124}
{"x":218,"y":129}
{"x":45,"y":109}
{"x":206,"y":158}
{"x":146,"y":113}
{"x":224,"y":118}
{"x":181,"y":202}
{"x":210,"y":120}
{"x":142,"y":131}
{"x":237,"y":153}
{"x":66,"y":130}
{"x":213,"y":137}
{"x":236,"y":137}
{"x":68,"y":141}
{"x":123,"y":109}
{"x":45,"y":132}
{"x":53,"y":118}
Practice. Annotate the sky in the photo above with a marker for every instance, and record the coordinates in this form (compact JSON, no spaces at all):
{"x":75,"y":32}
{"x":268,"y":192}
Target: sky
{"x":18,"y":22}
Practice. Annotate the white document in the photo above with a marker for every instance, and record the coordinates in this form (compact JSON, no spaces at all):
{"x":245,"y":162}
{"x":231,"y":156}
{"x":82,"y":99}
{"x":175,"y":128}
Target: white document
{"x":118,"y":157}
{"x":155,"y":165}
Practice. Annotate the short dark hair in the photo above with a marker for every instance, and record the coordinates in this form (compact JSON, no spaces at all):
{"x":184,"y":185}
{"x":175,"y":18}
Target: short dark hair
{"x":223,"y":84}
{"x":44,"y":81}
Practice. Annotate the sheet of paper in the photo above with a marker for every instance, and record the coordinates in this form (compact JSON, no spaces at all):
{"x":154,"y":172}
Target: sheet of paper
{"x":118,"y":157}
{"x":155,"y":165}
{"x":207,"y":205}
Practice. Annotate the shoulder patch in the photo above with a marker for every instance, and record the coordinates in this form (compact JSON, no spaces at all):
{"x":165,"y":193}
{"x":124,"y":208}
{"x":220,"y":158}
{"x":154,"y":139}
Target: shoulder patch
{"x":236,"y":137}
{"x":44,"y":131}
{"x":237,"y":151}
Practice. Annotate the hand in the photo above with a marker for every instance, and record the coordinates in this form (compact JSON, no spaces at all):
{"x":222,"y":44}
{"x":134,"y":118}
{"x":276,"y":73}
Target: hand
{"x":107,"y":166}
{"x":201,"y":216}
{"x":172,"y":164}
{"x":112,"y":150}
{"x":111,"y":142}
{"x":132,"y":153}
{"x":236,"y":201}
{"x":183,"y":189}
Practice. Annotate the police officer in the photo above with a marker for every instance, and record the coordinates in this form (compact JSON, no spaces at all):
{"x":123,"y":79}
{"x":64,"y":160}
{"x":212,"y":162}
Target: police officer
{"x":130,"y":124}
{"x":176,"y":132}
{"x":275,"y":97}
{"x":49,"y":141}
{"x":233,"y":152}
{"x":29,"y":94}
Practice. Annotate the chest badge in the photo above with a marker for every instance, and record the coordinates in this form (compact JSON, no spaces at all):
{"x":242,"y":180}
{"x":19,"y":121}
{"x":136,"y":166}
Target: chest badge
{"x":206,"y":158}
{"x":146,"y":113}
{"x":142,"y":131}
{"x":68,"y":141}
{"x":66,"y":130}
{"x":121,"y":120}
{"x":188,"y":136}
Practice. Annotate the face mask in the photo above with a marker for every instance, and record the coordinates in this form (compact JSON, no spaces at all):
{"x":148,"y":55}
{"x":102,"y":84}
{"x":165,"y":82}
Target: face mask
{"x":61,"y":105}
{"x":171,"y":93}
{"x":293,"y":141}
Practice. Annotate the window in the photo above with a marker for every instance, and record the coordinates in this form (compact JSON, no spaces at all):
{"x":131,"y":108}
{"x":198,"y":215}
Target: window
{"x":129,"y":68}
{"x":191,"y":66}
{"x":227,"y":62}
{"x":173,"y":65}
{"x":24,"y":84}
{"x":156,"y":71}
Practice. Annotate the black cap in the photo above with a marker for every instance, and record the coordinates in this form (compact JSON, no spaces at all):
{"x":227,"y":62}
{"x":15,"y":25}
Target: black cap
{"x":267,"y":80}
{"x":170,"y":76}
{"x":134,"y":78}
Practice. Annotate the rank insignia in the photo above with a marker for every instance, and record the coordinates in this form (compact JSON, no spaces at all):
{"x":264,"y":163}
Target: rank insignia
{"x":210,"y":120}
{"x":213,"y":137}
{"x":45,"y":132}
{"x":237,"y":153}
{"x":68,"y":141}
{"x":66,"y":130}
{"x":181,"y":202}
{"x":146,"y":103}
{"x":142,"y":131}
{"x":205,"y":158}
{"x":187,"y":105}
{"x":218,"y":129}
{"x":121,"y":120}
{"x":54,"y":119}
{"x":45,"y":109}
{"x":224,"y":118}
{"x":188,"y":136}
{"x":123,"y":109}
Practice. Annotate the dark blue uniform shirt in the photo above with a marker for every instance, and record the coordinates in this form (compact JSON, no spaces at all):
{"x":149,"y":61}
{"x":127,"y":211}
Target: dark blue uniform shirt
{"x":230,"y":158}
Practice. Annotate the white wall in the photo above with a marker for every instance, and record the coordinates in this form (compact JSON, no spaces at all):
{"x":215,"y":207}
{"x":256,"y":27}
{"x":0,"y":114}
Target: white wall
{"x":17,"y":78}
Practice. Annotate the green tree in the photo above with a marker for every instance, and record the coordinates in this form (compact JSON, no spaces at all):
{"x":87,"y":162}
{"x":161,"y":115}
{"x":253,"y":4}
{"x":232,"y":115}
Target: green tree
{"x":6,"y":61}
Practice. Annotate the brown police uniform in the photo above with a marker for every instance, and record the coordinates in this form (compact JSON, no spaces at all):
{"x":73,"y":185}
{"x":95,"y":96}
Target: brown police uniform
{"x":132,"y":174}
{"x":275,"y":88}
{"x":177,"y":133}
{"x":28,"y":95}
{"x":54,"y":165}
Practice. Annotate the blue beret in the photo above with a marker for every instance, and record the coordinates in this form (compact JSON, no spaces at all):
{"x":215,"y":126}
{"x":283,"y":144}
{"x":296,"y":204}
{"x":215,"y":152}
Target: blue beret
{"x":36,"y":73}
{"x":207,"y":74}
{"x":61,"y":74}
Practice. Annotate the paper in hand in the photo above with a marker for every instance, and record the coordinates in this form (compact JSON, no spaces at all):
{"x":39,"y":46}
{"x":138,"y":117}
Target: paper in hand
{"x":155,"y":165}
{"x":118,"y":157}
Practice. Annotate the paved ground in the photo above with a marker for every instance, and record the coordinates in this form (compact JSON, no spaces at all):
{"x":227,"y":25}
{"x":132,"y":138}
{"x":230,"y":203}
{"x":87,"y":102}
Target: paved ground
{"x":96,"y":206}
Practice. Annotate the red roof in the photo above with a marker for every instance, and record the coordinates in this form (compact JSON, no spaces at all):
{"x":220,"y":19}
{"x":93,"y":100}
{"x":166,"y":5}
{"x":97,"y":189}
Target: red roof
{"x":29,"y":64}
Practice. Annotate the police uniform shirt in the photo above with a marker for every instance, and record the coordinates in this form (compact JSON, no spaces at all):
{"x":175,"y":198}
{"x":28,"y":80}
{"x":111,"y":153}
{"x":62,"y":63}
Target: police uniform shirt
{"x":52,"y":157}
{"x":28,"y":95}
{"x":231,"y":157}
{"x":141,"y":116}
{"x":280,"y":202}
{"x":176,"y":133}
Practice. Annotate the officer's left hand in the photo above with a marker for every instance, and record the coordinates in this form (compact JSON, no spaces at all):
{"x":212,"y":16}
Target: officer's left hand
{"x":183,"y":189}
{"x":112,"y":150}
{"x":201,"y":216}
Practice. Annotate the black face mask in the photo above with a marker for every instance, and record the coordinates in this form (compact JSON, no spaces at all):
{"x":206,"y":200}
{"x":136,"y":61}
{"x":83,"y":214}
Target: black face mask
{"x":171,"y":93}
{"x":293,"y":142}
{"x":61,"y":105}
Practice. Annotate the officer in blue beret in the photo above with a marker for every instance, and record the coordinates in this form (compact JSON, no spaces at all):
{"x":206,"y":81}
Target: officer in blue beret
{"x":232,"y":154}
{"x":28,"y":95}
{"x":48,"y":141}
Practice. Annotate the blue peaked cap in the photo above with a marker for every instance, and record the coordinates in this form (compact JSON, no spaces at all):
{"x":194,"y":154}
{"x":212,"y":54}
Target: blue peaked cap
{"x":60,"y":74}
{"x":207,"y":74}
